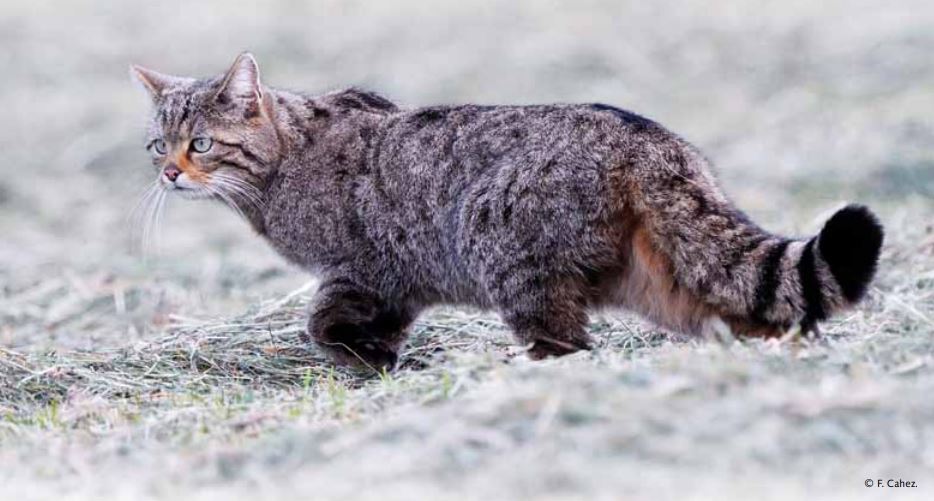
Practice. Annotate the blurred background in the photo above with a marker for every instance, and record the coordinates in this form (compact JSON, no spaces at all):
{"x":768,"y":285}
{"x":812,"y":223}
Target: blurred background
{"x":801,"y":105}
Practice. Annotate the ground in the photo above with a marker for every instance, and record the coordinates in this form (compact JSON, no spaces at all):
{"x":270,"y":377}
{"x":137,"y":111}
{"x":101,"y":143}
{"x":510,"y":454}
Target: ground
{"x":151,"y":373}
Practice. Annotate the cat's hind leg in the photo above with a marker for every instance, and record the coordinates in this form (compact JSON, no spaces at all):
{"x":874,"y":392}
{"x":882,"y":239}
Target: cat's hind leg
{"x":550,"y":318}
{"x":355,"y":326}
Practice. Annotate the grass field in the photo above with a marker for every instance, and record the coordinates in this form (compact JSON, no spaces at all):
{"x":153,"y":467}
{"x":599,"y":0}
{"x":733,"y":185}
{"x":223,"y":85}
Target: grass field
{"x":176,"y":371}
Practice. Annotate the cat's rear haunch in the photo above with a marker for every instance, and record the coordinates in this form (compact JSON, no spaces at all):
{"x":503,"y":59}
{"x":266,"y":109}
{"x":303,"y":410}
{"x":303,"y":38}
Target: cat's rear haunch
{"x":540,"y":213}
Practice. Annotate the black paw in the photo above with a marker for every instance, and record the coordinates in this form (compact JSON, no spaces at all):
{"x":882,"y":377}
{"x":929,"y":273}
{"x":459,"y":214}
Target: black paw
{"x":376,"y":354}
{"x":370,"y":354}
{"x":549,"y":348}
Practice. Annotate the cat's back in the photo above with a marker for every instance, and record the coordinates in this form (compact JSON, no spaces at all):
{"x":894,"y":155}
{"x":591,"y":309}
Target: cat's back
{"x":446,"y":179}
{"x":486,"y":133}
{"x":435,"y":159}
{"x":444,"y":146}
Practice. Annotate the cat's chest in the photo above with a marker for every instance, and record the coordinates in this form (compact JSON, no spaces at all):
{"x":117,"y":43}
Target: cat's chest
{"x":304,"y":220}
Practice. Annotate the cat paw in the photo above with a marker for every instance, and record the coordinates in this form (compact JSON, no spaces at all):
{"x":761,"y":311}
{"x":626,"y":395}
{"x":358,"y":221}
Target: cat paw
{"x":370,"y":354}
{"x":542,"y":349}
{"x":377,"y":355}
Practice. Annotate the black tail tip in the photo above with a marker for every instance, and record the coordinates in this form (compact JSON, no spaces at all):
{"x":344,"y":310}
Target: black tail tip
{"x":850,"y":243}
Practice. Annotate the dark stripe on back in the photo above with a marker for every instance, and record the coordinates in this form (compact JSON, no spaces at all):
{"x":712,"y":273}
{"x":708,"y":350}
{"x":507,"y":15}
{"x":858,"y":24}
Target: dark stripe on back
{"x":299,"y":120}
{"x":350,"y":102}
{"x":810,"y":288}
{"x":315,"y":110}
{"x":638,"y":121}
{"x":426,"y":116}
{"x":295,"y":118}
{"x":375,"y":101}
{"x":768,"y":281}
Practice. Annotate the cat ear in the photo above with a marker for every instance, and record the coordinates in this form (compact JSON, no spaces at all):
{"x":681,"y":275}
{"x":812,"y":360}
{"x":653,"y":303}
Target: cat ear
{"x":241,"y":80}
{"x":153,"y":81}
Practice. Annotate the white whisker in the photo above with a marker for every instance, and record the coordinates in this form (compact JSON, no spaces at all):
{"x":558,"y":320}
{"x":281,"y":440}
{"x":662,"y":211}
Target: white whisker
{"x":149,"y":223}
{"x":238,"y":182}
{"x":226,"y":199}
{"x":147,"y":215}
{"x":250,"y":193}
{"x":231,"y":190}
{"x":142,"y":214}
{"x":160,"y":211}
{"x":235,"y":193}
{"x":136,"y":213}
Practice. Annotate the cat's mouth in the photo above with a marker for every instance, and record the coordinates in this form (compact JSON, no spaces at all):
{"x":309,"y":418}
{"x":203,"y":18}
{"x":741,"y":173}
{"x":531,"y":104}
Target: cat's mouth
{"x":192,"y":194}
{"x":234,"y":192}
{"x":187,"y":188}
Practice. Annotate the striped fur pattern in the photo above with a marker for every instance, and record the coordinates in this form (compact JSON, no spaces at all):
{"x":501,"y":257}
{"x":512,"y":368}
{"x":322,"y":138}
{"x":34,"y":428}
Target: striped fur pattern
{"x":541,"y":213}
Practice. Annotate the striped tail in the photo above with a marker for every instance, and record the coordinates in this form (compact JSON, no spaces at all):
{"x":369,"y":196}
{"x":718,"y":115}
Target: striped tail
{"x":762,"y":283}
{"x":757,"y":282}
{"x":838,"y":264}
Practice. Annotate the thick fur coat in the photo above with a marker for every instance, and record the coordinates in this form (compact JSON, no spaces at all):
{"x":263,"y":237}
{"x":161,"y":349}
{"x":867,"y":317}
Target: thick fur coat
{"x":540,"y":213}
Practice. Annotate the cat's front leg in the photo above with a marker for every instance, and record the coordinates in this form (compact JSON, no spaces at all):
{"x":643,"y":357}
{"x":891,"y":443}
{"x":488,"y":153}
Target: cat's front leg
{"x":357,"y":327}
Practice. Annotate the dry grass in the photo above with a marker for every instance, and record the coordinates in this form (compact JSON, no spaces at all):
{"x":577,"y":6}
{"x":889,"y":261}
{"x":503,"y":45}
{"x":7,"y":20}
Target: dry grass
{"x":260,"y":349}
{"x":181,"y":375}
{"x":218,"y":406}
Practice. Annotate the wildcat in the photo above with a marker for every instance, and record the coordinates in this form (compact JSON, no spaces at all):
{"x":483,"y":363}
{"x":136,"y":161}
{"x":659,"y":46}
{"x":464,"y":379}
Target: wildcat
{"x":540,"y":213}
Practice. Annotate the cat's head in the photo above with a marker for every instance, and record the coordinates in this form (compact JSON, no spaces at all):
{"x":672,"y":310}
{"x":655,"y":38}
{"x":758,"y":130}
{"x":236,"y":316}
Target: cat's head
{"x":214,"y":137}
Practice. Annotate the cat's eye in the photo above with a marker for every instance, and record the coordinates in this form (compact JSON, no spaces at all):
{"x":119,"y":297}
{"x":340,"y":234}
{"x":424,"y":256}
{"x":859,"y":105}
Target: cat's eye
{"x":201,"y":144}
{"x":159,"y":146}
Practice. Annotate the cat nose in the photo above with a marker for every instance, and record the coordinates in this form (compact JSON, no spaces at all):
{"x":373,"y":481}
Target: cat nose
{"x":171,"y":172}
